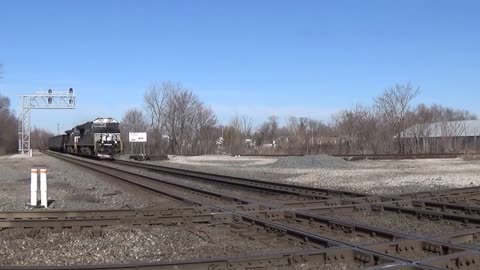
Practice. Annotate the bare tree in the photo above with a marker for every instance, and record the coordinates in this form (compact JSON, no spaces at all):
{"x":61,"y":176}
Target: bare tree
{"x":394,"y":104}
{"x":39,"y":138}
{"x":358,"y":129}
{"x":233,"y":135}
{"x":268,"y":130}
{"x":180,"y":123}
{"x":205,"y":132}
{"x":178,"y":118}
{"x":236,"y":132}
{"x":8,"y":127}
{"x":246,"y":125}
{"x":155,"y":99}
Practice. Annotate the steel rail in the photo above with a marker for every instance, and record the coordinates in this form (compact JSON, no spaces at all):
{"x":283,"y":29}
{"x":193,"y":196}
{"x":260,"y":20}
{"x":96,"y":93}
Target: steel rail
{"x":139,"y":180}
{"x":102,"y":218}
{"x":253,"y":183}
{"x":440,"y":207}
{"x":461,"y":238}
{"x":266,"y":206}
{"x":398,"y":156}
{"x":57,"y":214}
{"x":439,"y":193}
{"x":293,"y":231}
{"x":308,"y":236}
{"x":430,"y":215}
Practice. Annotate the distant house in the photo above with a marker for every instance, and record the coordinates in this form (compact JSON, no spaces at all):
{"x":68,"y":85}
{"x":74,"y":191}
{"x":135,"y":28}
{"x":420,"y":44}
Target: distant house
{"x":249,"y":143}
{"x":447,"y":136}
{"x":326,"y":140}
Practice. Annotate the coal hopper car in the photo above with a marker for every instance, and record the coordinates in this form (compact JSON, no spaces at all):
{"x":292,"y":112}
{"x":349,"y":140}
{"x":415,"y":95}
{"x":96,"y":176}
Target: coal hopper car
{"x":57,"y":143}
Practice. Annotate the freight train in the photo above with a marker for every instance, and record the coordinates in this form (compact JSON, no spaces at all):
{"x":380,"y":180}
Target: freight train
{"x":99,"y":138}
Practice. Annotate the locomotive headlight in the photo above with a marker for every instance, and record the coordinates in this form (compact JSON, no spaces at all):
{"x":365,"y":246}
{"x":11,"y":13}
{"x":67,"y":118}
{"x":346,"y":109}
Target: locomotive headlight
{"x":70,"y":91}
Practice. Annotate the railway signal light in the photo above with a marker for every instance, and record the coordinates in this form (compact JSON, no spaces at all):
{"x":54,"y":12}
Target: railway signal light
{"x":40,"y":100}
{"x":49,"y":98}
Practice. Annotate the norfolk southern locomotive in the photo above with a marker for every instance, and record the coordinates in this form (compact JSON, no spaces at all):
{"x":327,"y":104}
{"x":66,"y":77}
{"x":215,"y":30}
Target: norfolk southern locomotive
{"x":99,"y":138}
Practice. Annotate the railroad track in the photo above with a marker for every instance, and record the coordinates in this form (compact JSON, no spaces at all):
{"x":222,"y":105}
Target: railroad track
{"x":332,"y":222}
{"x":354,"y":157}
{"x":76,"y":220}
{"x":318,"y":193}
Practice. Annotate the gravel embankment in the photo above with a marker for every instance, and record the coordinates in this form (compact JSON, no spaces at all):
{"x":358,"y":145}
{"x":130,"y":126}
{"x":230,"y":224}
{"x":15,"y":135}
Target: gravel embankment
{"x":69,"y":187}
{"x":123,"y":244}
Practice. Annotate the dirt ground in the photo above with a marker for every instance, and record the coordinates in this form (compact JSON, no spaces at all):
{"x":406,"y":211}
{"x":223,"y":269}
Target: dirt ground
{"x":372,"y":177}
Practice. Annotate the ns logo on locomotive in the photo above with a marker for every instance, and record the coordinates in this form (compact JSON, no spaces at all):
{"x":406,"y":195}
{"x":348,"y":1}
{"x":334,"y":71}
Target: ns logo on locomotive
{"x":99,"y":138}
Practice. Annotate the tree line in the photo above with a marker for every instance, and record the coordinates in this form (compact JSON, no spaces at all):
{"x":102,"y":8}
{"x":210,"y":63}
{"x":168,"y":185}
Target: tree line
{"x":9,"y":130}
{"x":387,"y":126}
{"x":178,"y":122}
{"x":8,"y":127}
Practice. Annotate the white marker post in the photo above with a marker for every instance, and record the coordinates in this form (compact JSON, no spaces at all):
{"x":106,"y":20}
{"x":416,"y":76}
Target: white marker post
{"x":43,"y":187}
{"x":33,"y":187}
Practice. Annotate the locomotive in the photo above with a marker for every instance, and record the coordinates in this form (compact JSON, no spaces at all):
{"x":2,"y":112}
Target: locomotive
{"x":99,"y":138}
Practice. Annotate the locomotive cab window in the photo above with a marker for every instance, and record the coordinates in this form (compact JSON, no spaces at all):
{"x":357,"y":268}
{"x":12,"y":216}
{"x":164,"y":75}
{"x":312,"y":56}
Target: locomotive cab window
{"x":99,"y":124}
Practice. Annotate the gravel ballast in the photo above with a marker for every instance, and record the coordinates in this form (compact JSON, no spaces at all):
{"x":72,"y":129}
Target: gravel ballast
{"x":382,"y":177}
{"x":310,"y":162}
{"x":70,"y":187}
{"x":122,"y":244}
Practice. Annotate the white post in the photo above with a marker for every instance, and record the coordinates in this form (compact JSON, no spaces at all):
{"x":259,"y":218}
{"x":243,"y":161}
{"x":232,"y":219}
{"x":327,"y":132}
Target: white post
{"x":43,"y":187}
{"x":33,"y":187}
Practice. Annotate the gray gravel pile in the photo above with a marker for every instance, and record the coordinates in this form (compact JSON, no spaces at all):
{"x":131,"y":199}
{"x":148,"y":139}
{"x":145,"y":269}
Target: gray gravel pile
{"x":310,"y":162}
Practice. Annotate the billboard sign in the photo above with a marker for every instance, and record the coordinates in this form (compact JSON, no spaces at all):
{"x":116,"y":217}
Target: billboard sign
{"x":137,"y":137}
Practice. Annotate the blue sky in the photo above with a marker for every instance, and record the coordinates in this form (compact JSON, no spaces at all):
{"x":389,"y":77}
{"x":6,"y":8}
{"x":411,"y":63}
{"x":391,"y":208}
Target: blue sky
{"x":304,"y":58}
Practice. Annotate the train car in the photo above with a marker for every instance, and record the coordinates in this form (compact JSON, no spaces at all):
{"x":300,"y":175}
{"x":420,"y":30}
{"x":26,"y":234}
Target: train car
{"x":57,"y":143}
{"x":99,"y":138}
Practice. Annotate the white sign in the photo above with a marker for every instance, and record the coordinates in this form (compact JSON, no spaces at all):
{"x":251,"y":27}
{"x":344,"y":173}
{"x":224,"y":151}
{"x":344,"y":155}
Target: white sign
{"x":137,"y":137}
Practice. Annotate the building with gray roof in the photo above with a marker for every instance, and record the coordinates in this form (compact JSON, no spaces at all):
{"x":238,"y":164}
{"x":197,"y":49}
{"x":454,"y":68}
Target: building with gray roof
{"x":446,"y":136}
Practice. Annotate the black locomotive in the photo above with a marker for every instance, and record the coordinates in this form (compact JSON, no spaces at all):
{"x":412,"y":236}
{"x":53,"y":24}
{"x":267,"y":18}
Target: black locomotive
{"x":99,"y":138}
